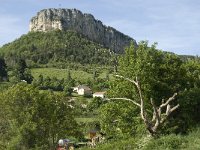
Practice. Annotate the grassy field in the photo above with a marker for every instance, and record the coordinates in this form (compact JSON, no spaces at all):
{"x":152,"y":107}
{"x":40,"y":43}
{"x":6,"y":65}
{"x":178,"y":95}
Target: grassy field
{"x":62,"y":73}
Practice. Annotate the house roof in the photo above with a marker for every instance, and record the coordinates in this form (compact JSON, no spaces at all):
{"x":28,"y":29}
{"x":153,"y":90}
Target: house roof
{"x":84,"y":87}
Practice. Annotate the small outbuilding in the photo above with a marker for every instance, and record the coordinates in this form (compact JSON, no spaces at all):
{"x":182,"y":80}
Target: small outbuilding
{"x":99,"y":94}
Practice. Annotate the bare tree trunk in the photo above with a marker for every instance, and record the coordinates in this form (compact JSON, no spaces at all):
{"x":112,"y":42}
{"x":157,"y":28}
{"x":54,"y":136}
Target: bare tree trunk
{"x":152,"y":125}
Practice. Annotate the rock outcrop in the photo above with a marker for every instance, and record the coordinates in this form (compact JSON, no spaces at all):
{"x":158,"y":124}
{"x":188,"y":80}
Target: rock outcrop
{"x":85,"y":24}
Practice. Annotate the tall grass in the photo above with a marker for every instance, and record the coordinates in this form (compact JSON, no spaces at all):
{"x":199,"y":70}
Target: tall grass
{"x":125,"y":144}
{"x":176,"y":142}
{"x":165,"y":142}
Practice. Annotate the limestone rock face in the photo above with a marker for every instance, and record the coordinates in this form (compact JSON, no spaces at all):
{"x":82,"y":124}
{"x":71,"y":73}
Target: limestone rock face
{"x":85,"y":24}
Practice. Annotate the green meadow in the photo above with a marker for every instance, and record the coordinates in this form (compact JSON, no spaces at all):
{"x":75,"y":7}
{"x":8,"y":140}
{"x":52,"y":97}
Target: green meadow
{"x":62,"y":73}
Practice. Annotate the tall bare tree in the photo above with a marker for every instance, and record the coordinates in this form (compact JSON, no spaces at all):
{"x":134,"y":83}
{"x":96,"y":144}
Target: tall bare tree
{"x":160,"y":113}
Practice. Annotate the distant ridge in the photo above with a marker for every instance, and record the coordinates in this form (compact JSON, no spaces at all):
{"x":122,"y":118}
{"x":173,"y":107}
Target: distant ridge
{"x":85,"y":24}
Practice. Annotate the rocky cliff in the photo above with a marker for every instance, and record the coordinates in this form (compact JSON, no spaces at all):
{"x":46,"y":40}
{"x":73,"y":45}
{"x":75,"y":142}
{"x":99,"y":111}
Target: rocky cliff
{"x":86,"y":24}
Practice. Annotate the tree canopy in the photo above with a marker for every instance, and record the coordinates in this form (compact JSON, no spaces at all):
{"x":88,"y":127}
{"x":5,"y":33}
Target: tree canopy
{"x":160,"y":75}
{"x":33,"y":119}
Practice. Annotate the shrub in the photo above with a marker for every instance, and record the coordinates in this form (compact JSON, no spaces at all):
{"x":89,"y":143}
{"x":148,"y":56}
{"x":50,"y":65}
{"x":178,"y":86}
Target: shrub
{"x":167,"y":142}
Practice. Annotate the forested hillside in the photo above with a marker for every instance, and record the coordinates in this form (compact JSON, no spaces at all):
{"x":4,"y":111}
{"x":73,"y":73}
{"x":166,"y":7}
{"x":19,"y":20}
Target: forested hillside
{"x":55,"y":46}
{"x":152,"y":101}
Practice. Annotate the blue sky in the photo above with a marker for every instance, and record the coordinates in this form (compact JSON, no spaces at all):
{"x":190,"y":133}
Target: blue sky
{"x":174,"y":24}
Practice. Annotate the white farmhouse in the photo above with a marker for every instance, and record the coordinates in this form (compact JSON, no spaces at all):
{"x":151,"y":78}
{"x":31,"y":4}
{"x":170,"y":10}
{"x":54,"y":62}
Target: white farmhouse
{"x":83,"y":90}
{"x":99,"y":94}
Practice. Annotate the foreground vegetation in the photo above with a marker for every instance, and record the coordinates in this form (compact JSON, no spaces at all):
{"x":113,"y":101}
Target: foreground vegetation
{"x":31,"y":119}
{"x":191,"y":141}
{"x":37,"y":109}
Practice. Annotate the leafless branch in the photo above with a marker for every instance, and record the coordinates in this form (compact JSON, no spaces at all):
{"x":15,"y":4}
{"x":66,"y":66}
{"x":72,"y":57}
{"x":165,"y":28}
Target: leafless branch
{"x":155,"y":111}
{"x":127,"y":79}
{"x":158,"y":118}
{"x":175,"y":107}
{"x":168,"y":101}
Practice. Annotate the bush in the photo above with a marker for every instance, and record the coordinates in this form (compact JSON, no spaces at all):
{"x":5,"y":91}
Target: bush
{"x":167,"y":142}
{"x":123,"y":144}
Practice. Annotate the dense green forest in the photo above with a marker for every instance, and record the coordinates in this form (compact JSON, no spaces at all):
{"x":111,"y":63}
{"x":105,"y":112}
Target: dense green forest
{"x":53,"y":47}
{"x":152,"y":99}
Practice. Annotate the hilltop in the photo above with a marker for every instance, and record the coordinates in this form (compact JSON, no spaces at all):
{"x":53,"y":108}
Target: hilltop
{"x":85,"y":24}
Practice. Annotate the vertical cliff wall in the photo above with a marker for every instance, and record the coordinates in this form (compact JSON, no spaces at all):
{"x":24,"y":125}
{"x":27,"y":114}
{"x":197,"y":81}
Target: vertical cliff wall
{"x":86,"y":24}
